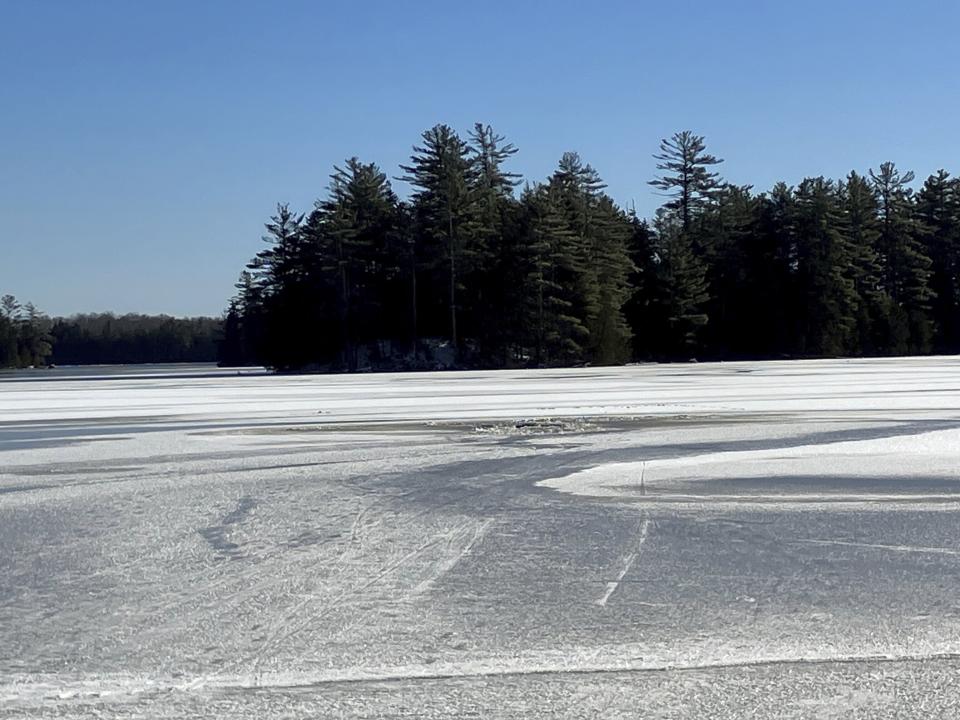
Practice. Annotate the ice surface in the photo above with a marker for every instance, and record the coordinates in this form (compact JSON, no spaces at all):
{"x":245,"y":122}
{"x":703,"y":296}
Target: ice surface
{"x":823,"y":387}
{"x":714,"y":540}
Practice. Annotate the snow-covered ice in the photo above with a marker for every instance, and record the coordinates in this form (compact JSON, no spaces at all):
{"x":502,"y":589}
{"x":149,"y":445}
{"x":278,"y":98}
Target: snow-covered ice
{"x":715,"y":540}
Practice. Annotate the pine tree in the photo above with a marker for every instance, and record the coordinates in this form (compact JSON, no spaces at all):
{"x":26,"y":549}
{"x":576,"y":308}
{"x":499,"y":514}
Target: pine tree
{"x":249,"y":304}
{"x":611,"y":267}
{"x":687,"y":179}
{"x":445,"y":206}
{"x":230,"y":349}
{"x":487,"y":289}
{"x":600,"y":232}
{"x":553,"y":327}
{"x":874,"y":304}
{"x":488,"y":153}
{"x":938,"y":212}
{"x":907,"y":268}
{"x":683,"y":281}
{"x":36,"y":343}
{"x":354,"y":233}
{"x":641,"y":307}
{"x":280,"y":277}
{"x":577,"y":188}
{"x":10,"y":308}
{"x":682,"y":288}
{"x":723,"y":231}
{"x":770,"y":285}
{"x":9,"y":331}
{"x":405,"y":287}
{"x":824,"y":270}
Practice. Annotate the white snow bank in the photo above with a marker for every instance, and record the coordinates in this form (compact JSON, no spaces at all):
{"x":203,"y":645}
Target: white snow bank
{"x":934,"y":454}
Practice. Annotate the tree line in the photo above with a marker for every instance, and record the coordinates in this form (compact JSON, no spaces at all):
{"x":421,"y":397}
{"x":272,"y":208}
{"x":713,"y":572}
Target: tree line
{"x":25,"y":339}
{"x":29,"y":338}
{"x":473,"y":271}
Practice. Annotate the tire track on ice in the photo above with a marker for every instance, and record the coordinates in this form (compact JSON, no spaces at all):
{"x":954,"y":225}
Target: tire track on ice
{"x":631,"y":558}
{"x":478,"y":534}
{"x":878,"y":546}
{"x":286,"y":627}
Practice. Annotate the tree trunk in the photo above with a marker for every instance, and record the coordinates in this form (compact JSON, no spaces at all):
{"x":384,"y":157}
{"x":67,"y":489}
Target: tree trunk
{"x":413,"y":302}
{"x":453,"y":286}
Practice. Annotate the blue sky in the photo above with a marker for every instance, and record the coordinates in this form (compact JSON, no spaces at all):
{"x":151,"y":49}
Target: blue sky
{"x":143,"y":144}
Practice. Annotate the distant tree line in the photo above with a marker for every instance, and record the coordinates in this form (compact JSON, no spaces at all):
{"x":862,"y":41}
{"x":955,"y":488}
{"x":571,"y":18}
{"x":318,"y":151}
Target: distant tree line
{"x":132,"y":338}
{"x":25,"y":339}
{"x":28,"y":338}
{"x":557,"y":274}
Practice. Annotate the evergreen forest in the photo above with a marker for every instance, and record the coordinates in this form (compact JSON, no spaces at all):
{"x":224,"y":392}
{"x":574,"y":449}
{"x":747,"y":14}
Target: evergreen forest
{"x":473,"y":269}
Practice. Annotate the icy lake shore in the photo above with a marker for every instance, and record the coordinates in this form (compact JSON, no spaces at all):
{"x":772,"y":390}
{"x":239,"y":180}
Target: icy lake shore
{"x":716,"y":540}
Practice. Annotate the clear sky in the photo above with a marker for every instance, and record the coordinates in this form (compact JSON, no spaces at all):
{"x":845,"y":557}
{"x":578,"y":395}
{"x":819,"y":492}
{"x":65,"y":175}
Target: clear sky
{"x":143,"y":144}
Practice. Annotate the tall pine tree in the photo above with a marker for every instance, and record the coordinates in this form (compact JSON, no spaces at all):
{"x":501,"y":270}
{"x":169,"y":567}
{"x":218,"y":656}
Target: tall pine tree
{"x":445,"y":207}
{"x":907,"y":267}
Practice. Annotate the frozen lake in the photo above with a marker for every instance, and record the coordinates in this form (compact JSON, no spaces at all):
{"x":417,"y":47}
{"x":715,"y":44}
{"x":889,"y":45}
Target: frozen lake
{"x":769,"y":540}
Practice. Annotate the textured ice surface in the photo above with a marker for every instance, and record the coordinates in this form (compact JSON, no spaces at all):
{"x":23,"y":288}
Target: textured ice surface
{"x":715,"y":540}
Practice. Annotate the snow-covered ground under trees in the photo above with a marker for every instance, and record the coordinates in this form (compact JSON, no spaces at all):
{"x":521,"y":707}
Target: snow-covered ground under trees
{"x":768,"y":540}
